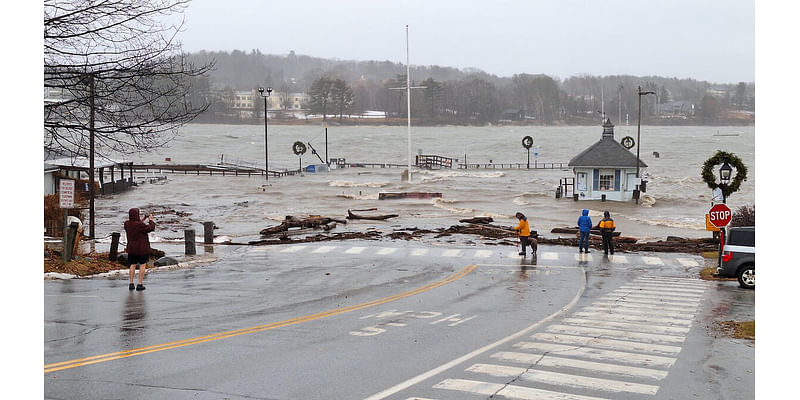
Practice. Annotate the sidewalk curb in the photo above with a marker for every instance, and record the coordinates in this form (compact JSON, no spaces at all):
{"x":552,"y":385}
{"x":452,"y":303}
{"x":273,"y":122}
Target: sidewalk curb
{"x":188,"y":262}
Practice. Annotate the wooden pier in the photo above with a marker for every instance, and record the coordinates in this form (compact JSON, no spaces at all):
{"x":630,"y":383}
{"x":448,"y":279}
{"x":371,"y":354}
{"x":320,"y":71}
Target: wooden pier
{"x":227,"y":169}
{"x":538,"y":165}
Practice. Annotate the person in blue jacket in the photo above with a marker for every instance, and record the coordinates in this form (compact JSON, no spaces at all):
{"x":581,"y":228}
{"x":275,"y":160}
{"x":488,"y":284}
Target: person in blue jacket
{"x":584,"y":225}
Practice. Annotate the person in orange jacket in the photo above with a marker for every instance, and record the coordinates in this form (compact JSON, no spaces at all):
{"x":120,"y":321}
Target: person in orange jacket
{"x":607,"y":227}
{"x":524,"y":230}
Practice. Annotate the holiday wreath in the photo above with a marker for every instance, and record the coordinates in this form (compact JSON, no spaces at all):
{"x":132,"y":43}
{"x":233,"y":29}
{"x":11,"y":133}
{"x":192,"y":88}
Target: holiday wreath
{"x":722,"y":157}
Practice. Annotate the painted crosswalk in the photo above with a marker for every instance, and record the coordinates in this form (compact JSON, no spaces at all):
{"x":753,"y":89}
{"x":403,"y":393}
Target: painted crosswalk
{"x":618,"y":346}
{"x":565,"y":257}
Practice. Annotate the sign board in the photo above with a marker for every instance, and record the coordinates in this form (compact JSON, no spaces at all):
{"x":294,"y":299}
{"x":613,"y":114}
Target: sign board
{"x":720,"y":215}
{"x":66,"y":193}
{"x":709,"y":226}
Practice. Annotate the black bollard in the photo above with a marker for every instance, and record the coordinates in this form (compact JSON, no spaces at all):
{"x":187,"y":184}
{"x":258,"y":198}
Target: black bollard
{"x":189,"y":239}
{"x":112,"y":253}
{"x":208,"y":232}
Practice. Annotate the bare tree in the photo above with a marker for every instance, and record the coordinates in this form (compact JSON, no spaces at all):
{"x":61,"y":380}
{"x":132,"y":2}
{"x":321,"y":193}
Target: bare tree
{"x":114,"y":68}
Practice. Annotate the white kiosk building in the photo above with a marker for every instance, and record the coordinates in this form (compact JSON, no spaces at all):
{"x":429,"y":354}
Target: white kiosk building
{"x":606,"y":170}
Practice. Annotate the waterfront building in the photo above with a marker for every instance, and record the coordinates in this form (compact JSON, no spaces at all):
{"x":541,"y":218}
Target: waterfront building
{"x":606,"y":169}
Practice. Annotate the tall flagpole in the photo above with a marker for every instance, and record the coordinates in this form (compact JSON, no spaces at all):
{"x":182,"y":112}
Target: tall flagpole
{"x":408,"y":88}
{"x":408,"y":99}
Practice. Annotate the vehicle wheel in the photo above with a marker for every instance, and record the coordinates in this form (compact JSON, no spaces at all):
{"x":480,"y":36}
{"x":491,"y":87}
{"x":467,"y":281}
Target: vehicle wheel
{"x":747,"y":276}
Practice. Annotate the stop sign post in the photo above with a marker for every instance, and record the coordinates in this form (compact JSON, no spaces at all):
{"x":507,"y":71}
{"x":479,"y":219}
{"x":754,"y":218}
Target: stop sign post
{"x":720,"y":215}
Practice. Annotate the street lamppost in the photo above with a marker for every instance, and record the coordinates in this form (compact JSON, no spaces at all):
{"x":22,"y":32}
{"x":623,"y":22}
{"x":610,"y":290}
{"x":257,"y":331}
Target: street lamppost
{"x":266,"y":129}
{"x":724,"y":177}
{"x":638,"y":135}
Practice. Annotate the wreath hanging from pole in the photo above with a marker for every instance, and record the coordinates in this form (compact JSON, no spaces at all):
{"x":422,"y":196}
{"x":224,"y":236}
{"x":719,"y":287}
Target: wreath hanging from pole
{"x":299,"y":148}
{"x":734,"y":161}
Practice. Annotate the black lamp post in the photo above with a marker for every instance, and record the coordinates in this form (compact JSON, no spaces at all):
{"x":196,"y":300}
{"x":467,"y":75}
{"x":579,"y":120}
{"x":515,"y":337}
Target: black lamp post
{"x":638,"y":134}
{"x":724,"y":177}
{"x":266,"y":129}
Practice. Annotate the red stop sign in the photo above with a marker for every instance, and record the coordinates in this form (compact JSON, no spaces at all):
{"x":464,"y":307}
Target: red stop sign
{"x":720,"y":215}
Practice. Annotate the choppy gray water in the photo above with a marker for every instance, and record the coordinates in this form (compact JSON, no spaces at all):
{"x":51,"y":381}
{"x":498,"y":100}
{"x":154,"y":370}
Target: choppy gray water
{"x":675,"y":203}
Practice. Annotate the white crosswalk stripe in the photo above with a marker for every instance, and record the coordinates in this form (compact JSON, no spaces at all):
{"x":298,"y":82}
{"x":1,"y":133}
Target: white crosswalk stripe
{"x":549,"y":255}
{"x":483,"y":253}
{"x":452,"y":253}
{"x":616,"y":259}
{"x":635,"y":327}
{"x":548,"y":360}
{"x":506,"y":391}
{"x":386,"y":251}
{"x":293,"y":249}
{"x":644,"y":360}
{"x":611,"y":344}
{"x":638,"y":311}
{"x":323,"y":249}
{"x":355,"y":250}
{"x":644,"y":306}
{"x":583,"y":257}
{"x":419,"y":252}
{"x":632,"y":299}
{"x":634,"y":318}
{"x":652,"y":261}
{"x":688,"y":262}
{"x":691,"y":298}
{"x":616,"y":334}
{"x":654,"y":297}
{"x":555,"y":378}
{"x":661,"y":288}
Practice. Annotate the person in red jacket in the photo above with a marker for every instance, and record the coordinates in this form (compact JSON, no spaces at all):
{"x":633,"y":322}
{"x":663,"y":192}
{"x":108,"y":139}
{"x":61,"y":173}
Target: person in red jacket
{"x":138,"y":244}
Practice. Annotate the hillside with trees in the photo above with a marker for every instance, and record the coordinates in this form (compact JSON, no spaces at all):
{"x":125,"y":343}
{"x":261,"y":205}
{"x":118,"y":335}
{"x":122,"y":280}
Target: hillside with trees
{"x":469,"y":96}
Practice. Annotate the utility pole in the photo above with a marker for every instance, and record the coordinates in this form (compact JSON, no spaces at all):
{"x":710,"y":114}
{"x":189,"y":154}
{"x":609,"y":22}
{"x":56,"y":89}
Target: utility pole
{"x":638,"y":134}
{"x":91,"y":156}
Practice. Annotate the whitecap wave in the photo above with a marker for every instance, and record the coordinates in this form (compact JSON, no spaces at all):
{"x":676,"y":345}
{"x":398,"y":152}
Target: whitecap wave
{"x":527,"y":198}
{"x":441,"y":174}
{"x":357,"y":184}
{"x":368,"y":196}
{"x":682,"y":223}
{"x":447,"y":206}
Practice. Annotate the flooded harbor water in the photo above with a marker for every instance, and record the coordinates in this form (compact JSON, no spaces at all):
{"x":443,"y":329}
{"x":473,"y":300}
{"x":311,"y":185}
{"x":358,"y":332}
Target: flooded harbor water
{"x":675,"y":202}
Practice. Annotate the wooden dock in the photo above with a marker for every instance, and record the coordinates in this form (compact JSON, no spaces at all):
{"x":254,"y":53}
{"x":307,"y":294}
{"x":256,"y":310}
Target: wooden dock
{"x":227,"y":169}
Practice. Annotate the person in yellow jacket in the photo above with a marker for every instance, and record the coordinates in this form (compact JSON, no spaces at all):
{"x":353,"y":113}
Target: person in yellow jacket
{"x":524,"y":230}
{"x":607,"y":227}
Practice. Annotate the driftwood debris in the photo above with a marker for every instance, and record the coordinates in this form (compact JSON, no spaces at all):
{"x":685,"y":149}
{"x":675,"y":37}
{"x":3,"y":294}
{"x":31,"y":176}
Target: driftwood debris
{"x":499,"y":235}
{"x":477,"y":220}
{"x":350,"y":215}
{"x":314,"y":222}
{"x":576,"y":230}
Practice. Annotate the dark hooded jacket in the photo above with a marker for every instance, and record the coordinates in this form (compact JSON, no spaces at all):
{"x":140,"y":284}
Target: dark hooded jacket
{"x":136,"y":232}
{"x":584,"y":222}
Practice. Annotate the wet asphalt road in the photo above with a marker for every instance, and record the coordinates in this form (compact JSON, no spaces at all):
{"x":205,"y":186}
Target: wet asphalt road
{"x":399,"y":320}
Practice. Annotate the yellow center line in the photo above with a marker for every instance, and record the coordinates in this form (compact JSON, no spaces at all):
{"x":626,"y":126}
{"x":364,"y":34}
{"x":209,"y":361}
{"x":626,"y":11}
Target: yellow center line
{"x":258,"y":328}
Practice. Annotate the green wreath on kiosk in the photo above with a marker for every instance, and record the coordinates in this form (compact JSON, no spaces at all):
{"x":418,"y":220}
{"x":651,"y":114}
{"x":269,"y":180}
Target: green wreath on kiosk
{"x":734,"y":161}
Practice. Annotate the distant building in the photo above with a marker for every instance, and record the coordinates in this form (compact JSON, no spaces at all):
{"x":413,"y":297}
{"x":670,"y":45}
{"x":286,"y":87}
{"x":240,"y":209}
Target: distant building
{"x":606,"y":168}
{"x":513,"y":114}
{"x":243,"y":102}
{"x":676,"y":109}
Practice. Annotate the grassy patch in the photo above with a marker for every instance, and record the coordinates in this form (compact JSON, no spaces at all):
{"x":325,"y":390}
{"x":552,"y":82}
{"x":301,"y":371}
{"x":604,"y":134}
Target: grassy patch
{"x":83,"y":265}
{"x":739,"y":329}
{"x":710,"y":274}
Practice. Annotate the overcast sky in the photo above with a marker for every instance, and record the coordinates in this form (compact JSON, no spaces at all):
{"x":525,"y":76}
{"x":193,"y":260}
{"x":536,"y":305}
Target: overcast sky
{"x":712,"y":40}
